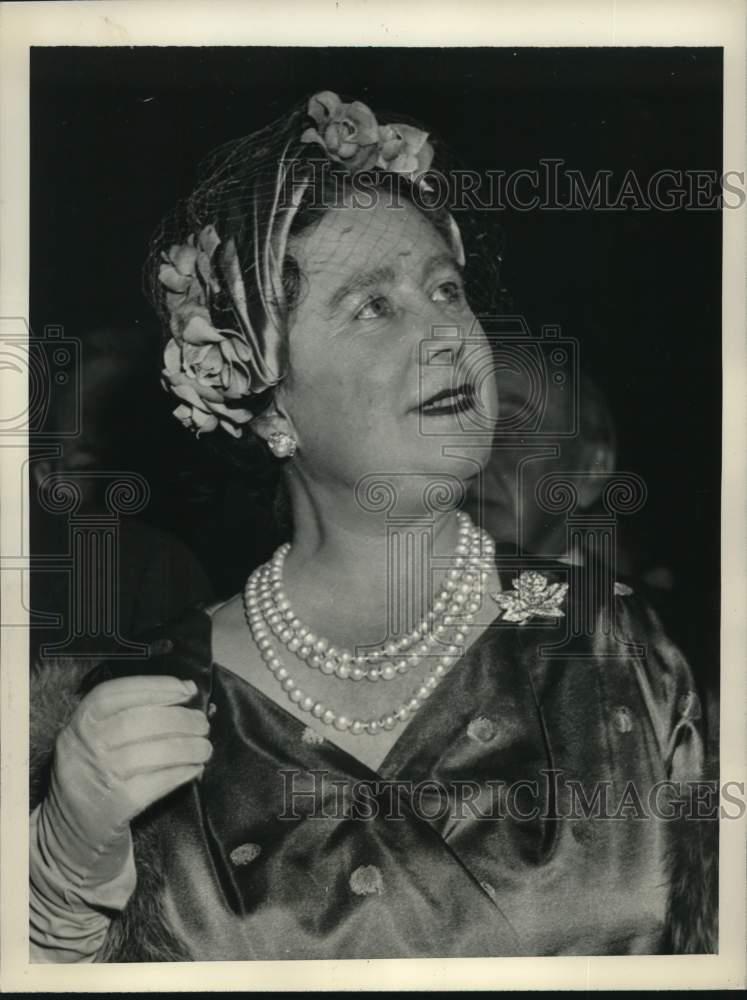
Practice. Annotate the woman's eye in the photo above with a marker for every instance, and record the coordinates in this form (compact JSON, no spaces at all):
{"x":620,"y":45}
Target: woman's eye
{"x":448,"y":291}
{"x":374,"y":309}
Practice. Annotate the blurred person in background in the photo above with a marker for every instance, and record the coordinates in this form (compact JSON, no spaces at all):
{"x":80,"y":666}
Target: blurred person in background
{"x":505,"y":499}
{"x":156,"y":575}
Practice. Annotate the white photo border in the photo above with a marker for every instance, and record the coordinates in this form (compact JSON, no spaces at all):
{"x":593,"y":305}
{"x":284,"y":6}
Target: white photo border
{"x":370,"y":23}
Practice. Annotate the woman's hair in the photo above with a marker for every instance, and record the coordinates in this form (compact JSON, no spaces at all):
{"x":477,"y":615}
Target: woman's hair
{"x":255,"y":196}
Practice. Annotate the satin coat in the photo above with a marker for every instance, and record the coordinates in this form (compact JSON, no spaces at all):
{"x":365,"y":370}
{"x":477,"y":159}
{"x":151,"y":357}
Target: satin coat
{"x":471,"y":839}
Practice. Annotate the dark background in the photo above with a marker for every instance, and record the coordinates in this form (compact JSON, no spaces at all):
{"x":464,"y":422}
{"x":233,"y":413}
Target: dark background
{"x":115,"y":138}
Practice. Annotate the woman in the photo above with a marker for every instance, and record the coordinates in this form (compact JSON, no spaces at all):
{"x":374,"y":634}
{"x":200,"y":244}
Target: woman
{"x":361,"y":754}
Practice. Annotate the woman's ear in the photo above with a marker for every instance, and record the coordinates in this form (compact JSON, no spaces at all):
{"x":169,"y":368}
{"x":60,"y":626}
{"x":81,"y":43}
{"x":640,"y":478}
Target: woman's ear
{"x":598,"y":460}
{"x":602,"y":459}
{"x":272,"y":420}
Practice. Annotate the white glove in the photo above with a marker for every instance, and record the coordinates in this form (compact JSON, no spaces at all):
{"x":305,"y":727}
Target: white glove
{"x":129,"y":743}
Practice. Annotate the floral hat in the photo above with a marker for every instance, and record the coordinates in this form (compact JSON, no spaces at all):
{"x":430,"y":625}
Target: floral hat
{"x":216,"y":358}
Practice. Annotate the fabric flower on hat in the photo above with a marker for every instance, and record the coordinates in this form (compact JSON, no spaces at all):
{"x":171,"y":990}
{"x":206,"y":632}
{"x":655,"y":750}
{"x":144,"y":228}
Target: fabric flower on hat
{"x":203,"y":366}
{"x":350,"y":135}
{"x":404,"y":150}
{"x":187,"y":275}
{"x":203,"y":377}
{"x":532,"y":595}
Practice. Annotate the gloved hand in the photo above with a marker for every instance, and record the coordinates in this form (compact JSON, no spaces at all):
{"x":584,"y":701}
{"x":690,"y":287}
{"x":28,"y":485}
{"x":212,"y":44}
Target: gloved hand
{"x":129,"y":743}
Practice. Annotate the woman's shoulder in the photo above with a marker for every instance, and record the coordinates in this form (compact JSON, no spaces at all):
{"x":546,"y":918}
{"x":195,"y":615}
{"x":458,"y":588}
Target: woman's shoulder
{"x":579,"y":599}
{"x":582,"y":605}
{"x":578,"y":622}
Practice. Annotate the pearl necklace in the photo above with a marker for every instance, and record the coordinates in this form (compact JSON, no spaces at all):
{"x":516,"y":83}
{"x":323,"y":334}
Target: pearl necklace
{"x":261,"y":630}
{"x":459,"y":595}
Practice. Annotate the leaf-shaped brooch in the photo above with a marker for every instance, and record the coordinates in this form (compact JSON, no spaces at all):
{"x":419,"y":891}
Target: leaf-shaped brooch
{"x":532,"y":595}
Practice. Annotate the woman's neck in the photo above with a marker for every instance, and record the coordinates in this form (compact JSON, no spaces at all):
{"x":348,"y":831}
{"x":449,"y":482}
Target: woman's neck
{"x":368,"y":572}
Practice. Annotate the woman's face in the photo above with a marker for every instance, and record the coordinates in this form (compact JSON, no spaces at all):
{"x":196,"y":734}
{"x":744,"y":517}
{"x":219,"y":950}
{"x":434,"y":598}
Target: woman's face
{"x":382,"y":326}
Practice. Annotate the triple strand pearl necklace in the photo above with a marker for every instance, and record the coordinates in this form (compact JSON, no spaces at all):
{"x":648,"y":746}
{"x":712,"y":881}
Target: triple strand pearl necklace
{"x":269,"y":613}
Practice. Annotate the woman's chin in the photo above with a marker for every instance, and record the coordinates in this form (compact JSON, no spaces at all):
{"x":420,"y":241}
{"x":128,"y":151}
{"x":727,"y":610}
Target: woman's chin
{"x":457,"y":465}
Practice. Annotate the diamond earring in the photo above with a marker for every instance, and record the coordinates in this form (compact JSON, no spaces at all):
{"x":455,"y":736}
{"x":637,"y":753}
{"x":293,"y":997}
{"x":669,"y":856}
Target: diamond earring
{"x":282,"y":445}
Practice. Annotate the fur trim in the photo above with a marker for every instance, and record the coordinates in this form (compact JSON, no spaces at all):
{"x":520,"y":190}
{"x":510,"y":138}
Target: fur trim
{"x":140,"y":933}
{"x":692,"y":916}
{"x":692,"y":912}
{"x":54,"y":697}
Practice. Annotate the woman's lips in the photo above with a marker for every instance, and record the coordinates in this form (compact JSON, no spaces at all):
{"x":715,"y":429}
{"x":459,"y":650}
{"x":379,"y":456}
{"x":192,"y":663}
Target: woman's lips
{"x":446,"y":402}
